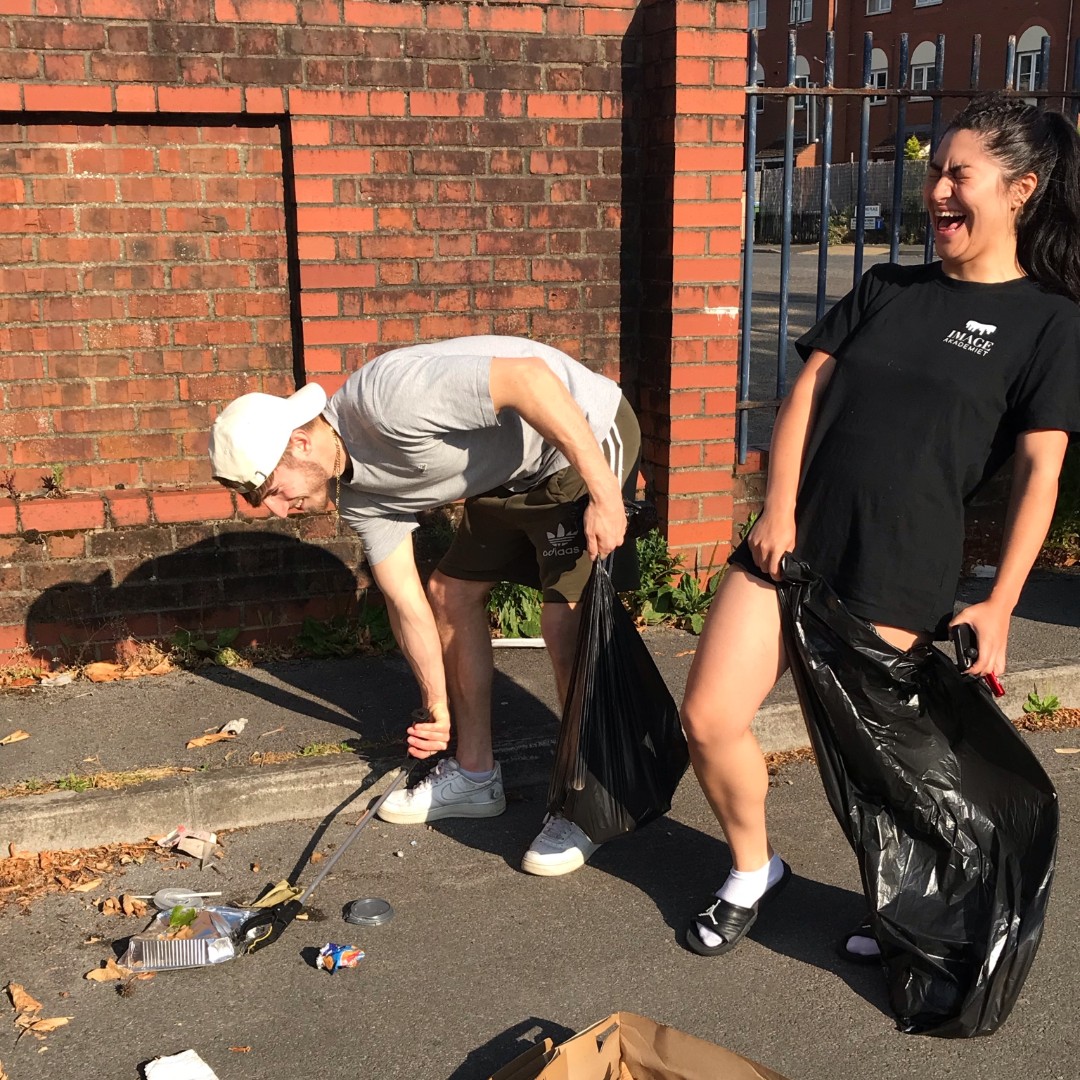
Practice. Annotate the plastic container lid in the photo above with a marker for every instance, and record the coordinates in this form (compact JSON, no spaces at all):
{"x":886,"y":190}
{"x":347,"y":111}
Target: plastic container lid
{"x":370,"y":911}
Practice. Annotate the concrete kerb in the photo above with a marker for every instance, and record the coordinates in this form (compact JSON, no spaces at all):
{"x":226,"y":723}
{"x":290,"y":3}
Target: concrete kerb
{"x":247,"y":796}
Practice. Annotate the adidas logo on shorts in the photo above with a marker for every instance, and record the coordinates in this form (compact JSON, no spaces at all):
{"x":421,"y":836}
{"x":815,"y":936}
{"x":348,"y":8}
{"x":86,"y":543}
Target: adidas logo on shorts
{"x":563,"y":541}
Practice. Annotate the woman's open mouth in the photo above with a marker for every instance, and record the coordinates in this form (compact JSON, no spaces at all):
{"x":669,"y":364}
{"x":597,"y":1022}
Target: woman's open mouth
{"x":949,"y":224}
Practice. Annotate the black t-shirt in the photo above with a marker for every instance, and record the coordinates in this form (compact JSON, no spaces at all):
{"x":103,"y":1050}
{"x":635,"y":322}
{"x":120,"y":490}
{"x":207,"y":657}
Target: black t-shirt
{"x":934,"y":380}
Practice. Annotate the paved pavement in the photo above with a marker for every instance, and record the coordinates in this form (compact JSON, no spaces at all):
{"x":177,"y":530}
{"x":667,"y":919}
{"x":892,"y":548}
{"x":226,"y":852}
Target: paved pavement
{"x":480,"y":957}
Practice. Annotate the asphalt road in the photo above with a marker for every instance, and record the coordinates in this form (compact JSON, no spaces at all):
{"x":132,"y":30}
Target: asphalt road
{"x":481,"y":959}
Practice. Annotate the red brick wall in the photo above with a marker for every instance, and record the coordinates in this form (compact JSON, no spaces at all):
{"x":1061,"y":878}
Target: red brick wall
{"x":218,"y":197}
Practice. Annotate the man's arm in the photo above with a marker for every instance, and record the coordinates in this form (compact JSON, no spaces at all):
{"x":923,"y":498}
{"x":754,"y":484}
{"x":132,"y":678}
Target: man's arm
{"x":418,"y":637}
{"x":529,"y":387}
{"x":1036,"y":468}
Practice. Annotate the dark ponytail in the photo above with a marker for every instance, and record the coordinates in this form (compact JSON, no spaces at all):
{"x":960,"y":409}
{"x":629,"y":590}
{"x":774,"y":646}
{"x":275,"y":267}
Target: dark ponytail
{"x":1025,"y":140}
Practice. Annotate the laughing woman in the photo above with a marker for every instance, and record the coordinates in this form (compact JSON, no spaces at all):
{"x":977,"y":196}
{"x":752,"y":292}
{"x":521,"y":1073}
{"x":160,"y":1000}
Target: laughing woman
{"x":917,"y":387}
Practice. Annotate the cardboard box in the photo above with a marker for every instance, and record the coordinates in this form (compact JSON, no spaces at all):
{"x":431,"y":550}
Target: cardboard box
{"x":628,"y":1047}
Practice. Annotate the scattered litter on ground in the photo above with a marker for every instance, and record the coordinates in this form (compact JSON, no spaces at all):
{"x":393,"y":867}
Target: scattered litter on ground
{"x":1067,"y":750}
{"x":62,"y":679}
{"x":234,"y":1049}
{"x":399,"y":854}
{"x":333,"y":957}
{"x":234,"y":727}
{"x":198,"y":843}
{"x":87,"y":886}
{"x":167,"y":899}
{"x":983,"y":571}
{"x":275,"y":731}
{"x":187,"y":938}
{"x":26,"y":876}
{"x":185,"y":1066}
{"x":15,"y":736}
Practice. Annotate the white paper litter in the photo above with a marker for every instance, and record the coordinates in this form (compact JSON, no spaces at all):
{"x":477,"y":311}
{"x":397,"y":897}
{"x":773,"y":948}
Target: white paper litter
{"x":185,"y":1066}
{"x":234,"y":727}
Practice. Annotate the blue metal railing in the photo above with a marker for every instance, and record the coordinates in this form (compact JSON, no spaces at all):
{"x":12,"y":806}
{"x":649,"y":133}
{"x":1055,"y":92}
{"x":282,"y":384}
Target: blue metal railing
{"x":903,"y":218}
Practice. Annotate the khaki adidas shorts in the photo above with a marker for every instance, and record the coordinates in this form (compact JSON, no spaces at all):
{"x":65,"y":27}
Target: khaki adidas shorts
{"x":535,"y":537}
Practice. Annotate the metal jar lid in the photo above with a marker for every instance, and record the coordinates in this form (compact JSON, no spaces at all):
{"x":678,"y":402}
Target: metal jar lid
{"x":370,"y":911}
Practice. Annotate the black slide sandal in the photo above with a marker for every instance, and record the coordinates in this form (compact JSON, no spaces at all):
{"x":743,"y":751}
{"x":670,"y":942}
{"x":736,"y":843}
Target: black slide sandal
{"x":729,"y":921}
{"x":864,"y":929}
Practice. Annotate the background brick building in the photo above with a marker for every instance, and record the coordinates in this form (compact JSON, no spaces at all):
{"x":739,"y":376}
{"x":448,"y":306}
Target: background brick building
{"x":207,"y":197}
{"x":922,"y":21}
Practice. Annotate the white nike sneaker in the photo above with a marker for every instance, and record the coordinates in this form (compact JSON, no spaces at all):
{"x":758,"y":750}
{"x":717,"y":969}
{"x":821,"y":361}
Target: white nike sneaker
{"x":446,"y":792}
{"x":560,"y":848}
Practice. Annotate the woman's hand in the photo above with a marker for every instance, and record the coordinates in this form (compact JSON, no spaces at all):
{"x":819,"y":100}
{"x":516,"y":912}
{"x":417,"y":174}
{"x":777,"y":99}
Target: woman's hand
{"x":429,"y":732}
{"x":990,"y":621}
{"x":771,"y":538}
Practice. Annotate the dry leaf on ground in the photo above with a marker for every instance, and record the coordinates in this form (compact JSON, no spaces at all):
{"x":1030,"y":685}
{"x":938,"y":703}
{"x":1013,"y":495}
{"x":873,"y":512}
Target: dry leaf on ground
{"x":234,"y":1049}
{"x":110,"y":972}
{"x":317,"y":856}
{"x":103,"y":672}
{"x":207,"y":740}
{"x":15,"y":736}
{"x":3,"y":1075}
{"x":21,"y":1001}
{"x":87,"y":886}
{"x":41,"y":1027}
{"x":133,"y":906}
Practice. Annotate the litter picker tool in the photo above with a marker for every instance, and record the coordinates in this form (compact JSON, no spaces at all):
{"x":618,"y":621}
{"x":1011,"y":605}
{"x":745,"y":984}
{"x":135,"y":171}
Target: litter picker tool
{"x":268,"y":925}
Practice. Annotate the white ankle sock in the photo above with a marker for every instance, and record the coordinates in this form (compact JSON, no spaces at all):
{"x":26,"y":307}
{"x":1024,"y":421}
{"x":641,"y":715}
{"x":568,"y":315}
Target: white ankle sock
{"x":744,"y":888}
{"x":863,"y":946}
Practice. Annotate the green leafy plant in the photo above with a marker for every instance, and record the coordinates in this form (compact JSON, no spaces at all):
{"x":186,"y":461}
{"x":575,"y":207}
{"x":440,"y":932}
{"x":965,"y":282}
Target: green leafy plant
{"x":71,"y":782}
{"x":375,"y":631}
{"x":913,"y":149}
{"x":190,"y":648}
{"x":1041,"y":705}
{"x":53,"y":482}
{"x":317,"y":749}
{"x":839,"y":229}
{"x":8,"y":486}
{"x":668,"y":593}
{"x":322,"y":638}
{"x":748,"y":524}
{"x":514,"y":610}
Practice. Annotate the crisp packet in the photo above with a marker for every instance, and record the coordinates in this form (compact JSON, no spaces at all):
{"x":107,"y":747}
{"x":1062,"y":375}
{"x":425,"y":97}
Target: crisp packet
{"x":331,"y":956}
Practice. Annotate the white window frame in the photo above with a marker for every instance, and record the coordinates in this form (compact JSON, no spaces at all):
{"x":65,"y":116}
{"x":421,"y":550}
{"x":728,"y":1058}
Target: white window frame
{"x":926,"y":75}
{"x":800,"y":99}
{"x":802,"y":11}
{"x":758,"y":13}
{"x":878,"y":7}
{"x":926,"y":3}
{"x":759,"y":80}
{"x":879,"y":78}
{"x":1032,"y":61}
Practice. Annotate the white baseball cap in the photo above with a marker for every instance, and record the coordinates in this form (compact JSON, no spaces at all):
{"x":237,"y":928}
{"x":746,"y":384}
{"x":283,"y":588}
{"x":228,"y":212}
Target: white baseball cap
{"x":252,"y":433}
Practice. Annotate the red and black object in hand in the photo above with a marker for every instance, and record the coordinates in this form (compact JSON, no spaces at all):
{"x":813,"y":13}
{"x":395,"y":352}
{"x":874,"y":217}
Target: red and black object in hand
{"x":966,"y":645}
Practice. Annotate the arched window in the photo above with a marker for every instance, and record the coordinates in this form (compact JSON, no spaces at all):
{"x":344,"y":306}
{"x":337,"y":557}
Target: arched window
{"x":879,"y":74}
{"x":1029,"y":58}
{"x":922,"y":67}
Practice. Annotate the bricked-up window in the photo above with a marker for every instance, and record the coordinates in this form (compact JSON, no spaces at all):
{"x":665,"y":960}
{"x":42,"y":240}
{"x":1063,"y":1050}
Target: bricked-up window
{"x":142,"y":284}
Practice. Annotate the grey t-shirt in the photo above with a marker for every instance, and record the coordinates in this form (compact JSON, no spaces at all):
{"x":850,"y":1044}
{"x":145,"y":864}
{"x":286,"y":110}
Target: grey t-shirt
{"x":421,"y":430}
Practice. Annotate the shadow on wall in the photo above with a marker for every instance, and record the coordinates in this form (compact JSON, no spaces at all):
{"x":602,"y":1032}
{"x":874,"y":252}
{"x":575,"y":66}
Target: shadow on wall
{"x":646,"y":241}
{"x":262,"y":583}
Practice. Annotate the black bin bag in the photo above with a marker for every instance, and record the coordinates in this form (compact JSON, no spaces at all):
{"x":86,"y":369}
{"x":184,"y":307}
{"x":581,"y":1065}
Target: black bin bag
{"x":952,"y":818}
{"x":621,"y":751}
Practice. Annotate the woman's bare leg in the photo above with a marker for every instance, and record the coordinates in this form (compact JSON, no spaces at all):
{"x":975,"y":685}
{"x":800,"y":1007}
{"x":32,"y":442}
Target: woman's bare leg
{"x":739,"y":658}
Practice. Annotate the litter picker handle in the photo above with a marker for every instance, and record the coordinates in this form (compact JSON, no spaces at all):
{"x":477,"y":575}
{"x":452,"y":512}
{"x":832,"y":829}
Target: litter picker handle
{"x":403,"y":772}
